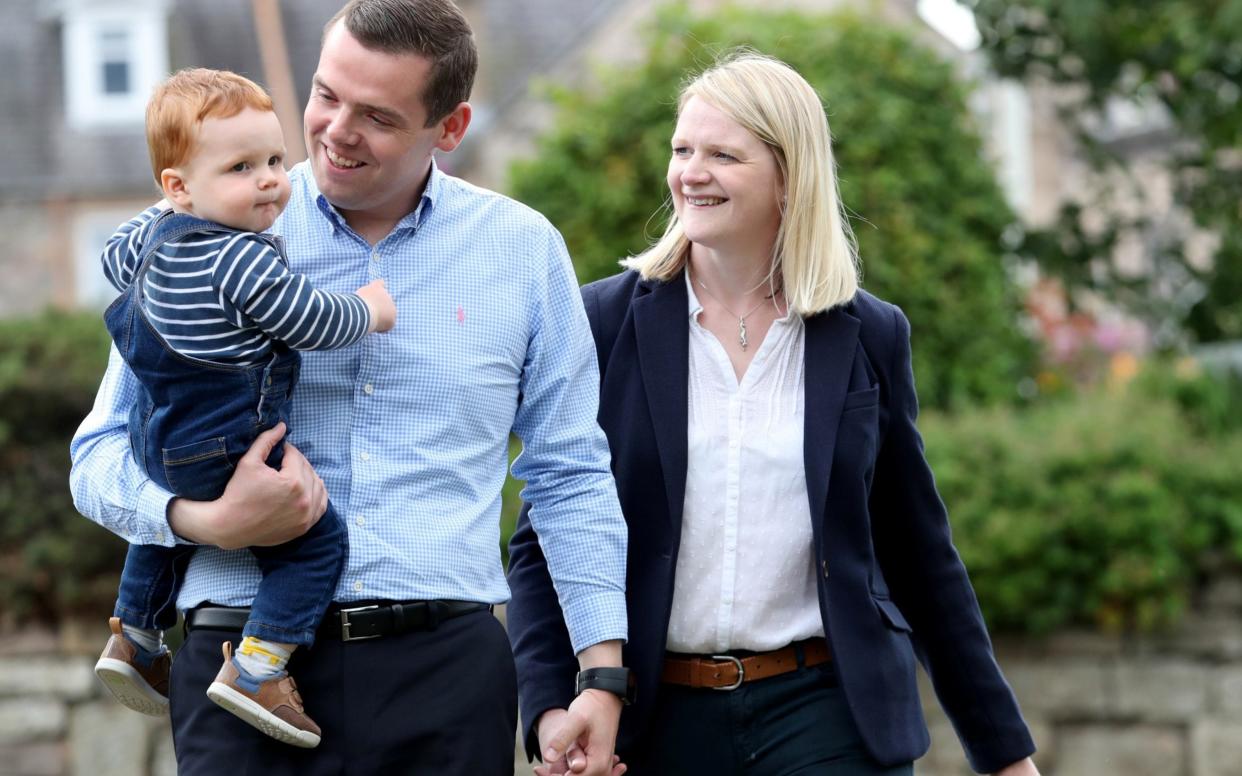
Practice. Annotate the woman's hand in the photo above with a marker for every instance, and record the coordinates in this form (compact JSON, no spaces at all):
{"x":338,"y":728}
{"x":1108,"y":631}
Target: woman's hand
{"x":1021,"y":768}
{"x":574,"y":760}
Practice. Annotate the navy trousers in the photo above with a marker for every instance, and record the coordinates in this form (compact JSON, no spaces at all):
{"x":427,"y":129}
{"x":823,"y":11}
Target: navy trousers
{"x":795,"y":724}
{"x":427,"y":702}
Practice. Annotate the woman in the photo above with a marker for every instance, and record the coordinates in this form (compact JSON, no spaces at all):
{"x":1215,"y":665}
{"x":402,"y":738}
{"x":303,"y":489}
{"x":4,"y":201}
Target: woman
{"x":788,"y":547}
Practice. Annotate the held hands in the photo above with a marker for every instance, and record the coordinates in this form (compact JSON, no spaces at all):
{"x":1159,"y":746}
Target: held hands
{"x":580,"y":740}
{"x":383,"y":311}
{"x":260,"y":506}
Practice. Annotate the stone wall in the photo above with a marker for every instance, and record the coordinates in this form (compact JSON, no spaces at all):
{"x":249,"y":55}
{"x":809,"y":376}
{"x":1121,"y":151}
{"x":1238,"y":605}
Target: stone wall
{"x":1164,"y":705}
{"x":57,"y":720}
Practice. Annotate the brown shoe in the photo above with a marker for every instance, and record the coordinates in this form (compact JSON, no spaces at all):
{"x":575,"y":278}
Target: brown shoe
{"x":141,"y":688}
{"x":273,"y":706}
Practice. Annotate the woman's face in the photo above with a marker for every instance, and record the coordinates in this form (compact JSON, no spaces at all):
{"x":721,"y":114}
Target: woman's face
{"x":725,"y":182}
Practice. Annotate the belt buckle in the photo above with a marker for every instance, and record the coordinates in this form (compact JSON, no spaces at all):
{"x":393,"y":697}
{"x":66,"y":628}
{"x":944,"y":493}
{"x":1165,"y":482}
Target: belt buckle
{"x":345,"y":624}
{"x":741,"y":671}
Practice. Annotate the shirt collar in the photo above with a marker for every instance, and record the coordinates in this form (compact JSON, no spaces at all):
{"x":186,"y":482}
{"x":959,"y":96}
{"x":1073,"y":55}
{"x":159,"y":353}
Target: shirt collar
{"x":432,"y":192}
{"x":695,"y":307}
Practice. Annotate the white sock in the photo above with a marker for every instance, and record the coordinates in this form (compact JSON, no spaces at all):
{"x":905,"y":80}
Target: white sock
{"x":150,"y":640}
{"x":262,"y":659}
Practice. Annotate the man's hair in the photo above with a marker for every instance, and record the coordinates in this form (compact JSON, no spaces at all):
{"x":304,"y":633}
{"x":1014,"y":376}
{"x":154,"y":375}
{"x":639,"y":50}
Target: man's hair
{"x":815,"y":258}
{"x":434,"y":29}
{"x":180,"y":104}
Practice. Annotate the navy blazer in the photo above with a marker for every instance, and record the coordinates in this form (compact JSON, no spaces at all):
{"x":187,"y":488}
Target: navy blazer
{"x":891,"y":584}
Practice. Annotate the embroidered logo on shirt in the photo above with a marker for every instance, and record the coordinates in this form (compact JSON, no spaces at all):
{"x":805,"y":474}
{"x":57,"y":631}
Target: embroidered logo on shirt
{"x":461,"y":314}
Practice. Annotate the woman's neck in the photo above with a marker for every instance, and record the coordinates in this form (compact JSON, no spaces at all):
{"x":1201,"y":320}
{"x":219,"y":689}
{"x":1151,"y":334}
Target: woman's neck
{"x":731,"y":277}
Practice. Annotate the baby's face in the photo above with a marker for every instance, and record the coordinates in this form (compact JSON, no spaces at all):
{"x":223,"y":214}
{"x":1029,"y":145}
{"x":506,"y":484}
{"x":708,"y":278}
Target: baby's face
{"x":236,"y":175}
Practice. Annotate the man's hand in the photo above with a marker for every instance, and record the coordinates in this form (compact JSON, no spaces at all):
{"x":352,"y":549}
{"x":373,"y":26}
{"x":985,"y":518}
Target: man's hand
{"x":566,"y":738}
{"x":260,"y":506}
{"x":1021,"y":768}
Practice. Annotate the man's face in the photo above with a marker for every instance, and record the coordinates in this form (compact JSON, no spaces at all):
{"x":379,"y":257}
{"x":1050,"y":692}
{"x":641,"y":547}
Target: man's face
{"x":236,"y":174}
{"x":365,"y":134}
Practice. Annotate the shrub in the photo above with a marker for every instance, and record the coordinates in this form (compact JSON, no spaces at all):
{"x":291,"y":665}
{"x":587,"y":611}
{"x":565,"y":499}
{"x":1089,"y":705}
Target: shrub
{"x":1098,"y":510}
{"x":53,"y":562}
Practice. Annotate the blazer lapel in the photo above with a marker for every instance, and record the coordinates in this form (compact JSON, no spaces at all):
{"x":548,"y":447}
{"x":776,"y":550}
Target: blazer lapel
{"x":662,"y":329}
{"x":831,"y":339}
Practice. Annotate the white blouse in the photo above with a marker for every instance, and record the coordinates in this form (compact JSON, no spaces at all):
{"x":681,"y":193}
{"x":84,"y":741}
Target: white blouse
{"x":745,"y":570}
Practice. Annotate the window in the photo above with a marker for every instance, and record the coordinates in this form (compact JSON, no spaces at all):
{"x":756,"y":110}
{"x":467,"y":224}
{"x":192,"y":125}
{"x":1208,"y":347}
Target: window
{"x":114,"y":54}
{"x":114,"y":57}
{"x":91,"y":230}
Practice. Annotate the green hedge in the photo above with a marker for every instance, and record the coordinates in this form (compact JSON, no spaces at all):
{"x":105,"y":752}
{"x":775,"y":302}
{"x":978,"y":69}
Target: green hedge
{"x":53,"y":563}
{"x":1103,"y":510}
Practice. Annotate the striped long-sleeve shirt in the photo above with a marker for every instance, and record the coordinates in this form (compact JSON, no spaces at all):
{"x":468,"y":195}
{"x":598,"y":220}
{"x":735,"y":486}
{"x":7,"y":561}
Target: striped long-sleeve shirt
{"x":224,"y":296}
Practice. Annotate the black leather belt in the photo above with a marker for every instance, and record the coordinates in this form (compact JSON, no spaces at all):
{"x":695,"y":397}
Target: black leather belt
{"x":349,"y":623}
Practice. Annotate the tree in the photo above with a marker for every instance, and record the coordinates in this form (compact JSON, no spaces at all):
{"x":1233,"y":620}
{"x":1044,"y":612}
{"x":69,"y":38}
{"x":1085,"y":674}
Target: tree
{"x":1183,"y":58}
{"x":929,"y":214}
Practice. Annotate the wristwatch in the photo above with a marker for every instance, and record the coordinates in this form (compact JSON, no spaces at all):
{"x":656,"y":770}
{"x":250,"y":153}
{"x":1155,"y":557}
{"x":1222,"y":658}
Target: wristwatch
{"x":616,"y":680}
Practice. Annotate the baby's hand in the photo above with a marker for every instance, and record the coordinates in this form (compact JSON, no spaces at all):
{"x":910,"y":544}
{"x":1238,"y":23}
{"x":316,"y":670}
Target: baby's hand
{"x":383,"y":311}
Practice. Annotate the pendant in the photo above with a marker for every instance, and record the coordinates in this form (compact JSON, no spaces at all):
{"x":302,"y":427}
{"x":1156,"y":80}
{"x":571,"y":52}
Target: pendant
{"x":741,"y":332}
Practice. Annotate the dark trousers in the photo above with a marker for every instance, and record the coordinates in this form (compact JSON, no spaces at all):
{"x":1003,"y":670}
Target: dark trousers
{"x":794,"y":724}
{"x":428,"y":702}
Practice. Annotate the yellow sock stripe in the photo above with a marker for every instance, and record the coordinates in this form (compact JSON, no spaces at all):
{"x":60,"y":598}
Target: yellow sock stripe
{"x":251,"y":646}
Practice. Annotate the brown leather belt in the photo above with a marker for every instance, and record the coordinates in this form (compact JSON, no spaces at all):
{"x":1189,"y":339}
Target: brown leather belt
{"x":726,"y":672}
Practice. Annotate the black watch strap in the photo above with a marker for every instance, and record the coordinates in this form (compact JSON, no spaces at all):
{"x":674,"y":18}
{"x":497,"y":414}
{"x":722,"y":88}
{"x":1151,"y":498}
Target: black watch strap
{"x":616,"y":680}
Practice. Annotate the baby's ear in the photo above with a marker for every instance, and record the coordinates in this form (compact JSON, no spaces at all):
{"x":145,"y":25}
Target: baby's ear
{"x":173,"y":184}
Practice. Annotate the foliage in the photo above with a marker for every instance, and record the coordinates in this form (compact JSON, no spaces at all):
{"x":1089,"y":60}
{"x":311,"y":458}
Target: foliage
{"x":930,"y":216}
{"x":52,"y":561}
{"x":1100,"y":510}
{"x":1184,"y":59}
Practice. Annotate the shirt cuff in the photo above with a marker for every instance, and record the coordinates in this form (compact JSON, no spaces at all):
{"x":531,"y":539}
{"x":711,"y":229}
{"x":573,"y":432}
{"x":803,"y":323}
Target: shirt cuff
{"x":152,"y":510}
{"x":597,"y":618}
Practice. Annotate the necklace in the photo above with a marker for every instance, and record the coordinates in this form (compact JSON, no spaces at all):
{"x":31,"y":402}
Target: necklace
{"x":741,"y":319}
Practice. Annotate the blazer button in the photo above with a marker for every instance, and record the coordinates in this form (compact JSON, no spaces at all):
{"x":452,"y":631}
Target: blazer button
{"x":823,"y":564}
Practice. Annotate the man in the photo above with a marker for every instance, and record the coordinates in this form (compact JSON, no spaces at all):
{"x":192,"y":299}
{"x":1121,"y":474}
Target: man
{"x":409,"y":433}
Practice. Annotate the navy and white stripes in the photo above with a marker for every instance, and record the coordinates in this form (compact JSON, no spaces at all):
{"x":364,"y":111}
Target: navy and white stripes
{"x":223,"y":296}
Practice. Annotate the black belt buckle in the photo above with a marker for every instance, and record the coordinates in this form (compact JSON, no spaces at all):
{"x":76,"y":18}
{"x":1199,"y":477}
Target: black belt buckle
{"x":345,"y":624}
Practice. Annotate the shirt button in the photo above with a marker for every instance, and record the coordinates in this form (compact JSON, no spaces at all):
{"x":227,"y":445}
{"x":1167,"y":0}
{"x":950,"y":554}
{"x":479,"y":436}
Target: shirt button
{"x":360,"y":520}
{"x":365,"y":456}
{"x":368,"y":389}
{"x":159,"y":536}
{"x":358,"y":586}
{"x":375,"y":256}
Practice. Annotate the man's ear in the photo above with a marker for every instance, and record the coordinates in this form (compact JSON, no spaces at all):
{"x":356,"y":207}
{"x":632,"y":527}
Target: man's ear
{"x":453,"y":127}
{"x":173,"y":183}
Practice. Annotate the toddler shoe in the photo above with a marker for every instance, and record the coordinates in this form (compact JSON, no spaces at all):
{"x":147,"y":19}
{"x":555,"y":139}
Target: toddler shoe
{"x":136,"y":678}
{"x":272,"y":705}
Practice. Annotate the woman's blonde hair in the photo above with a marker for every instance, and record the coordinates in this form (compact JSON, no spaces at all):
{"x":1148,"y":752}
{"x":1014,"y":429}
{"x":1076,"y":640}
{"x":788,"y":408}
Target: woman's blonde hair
{"x":815,"y":258}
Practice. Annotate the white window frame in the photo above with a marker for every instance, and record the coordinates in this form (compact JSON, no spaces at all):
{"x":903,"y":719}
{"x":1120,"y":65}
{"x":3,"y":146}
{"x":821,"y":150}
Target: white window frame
{"x":91,"y":229}
{"x":87,"y":105}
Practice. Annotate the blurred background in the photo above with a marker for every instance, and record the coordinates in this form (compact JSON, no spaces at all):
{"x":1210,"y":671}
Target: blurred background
{"x":1050,"y":189}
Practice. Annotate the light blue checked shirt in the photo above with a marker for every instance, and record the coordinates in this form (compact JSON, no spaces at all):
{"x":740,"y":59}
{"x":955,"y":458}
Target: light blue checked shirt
{"x":410,"y":429}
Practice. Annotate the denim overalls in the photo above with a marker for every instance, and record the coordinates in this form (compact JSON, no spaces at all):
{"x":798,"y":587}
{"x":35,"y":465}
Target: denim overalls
{"x":191,"y":423}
